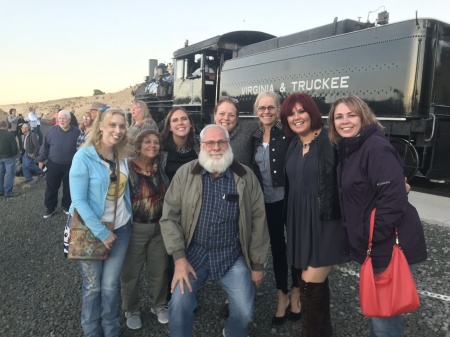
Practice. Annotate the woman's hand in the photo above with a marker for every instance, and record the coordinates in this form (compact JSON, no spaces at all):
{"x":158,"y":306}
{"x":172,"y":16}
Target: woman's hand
{"x":109,"y":242}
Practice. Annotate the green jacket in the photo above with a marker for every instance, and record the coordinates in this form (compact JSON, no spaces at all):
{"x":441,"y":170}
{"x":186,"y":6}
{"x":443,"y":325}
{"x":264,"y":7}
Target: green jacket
{"x":182,"y":205}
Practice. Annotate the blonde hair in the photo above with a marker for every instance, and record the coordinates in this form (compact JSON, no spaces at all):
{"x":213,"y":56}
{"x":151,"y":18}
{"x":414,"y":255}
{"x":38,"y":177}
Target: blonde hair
{"x":359,"y":107}
{"x":144,"y":109}
{"x":95,"y":135}
{"x":275,"y":98}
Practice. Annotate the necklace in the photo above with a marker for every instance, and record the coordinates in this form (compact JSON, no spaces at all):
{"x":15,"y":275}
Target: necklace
{"x":305,"y":145}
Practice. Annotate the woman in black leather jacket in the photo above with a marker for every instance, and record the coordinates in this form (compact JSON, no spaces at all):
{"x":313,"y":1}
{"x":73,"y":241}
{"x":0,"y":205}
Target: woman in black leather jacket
{"x":270,"y":145}
{"x":316,"y":238}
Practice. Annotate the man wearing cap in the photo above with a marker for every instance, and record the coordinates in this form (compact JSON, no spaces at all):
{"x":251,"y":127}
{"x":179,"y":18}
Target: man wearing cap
{"x":96,"y":106}
{"x":58,"y":149}
{"x":8,"y":153}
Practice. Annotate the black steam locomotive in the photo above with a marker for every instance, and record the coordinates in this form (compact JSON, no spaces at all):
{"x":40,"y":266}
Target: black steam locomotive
{"x":402,"y":70}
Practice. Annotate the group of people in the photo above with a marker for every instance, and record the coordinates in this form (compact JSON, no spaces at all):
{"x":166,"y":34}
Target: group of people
{"x":215,"y":201}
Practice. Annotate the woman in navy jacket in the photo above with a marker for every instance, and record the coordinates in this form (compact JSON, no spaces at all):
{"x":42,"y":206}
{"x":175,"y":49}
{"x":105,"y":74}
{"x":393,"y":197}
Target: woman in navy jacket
{"x":370,"y":175}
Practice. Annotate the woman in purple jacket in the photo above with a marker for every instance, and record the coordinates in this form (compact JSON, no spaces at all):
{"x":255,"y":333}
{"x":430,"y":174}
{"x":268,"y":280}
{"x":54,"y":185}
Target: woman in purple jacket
{"x":370,"y":175}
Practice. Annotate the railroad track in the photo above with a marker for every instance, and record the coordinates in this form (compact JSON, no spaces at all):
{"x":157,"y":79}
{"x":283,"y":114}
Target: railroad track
{"x":422,"y":185}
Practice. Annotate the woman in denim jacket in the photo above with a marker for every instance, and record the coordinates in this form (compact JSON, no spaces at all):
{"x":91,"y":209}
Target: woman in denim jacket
{"x":93,"y":180}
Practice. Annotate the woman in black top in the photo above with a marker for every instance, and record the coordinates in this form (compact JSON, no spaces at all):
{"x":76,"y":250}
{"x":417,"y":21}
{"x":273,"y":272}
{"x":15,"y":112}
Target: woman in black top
{"x":316,"y":238}
{"x":179,"y":140}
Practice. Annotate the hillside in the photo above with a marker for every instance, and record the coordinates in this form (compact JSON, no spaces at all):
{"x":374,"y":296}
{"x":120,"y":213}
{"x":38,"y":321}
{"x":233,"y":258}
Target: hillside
{"x":121,"y":99}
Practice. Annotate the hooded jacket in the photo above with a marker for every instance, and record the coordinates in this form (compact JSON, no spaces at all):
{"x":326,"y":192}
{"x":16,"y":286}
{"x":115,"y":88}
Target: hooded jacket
{"x":370,"y":175}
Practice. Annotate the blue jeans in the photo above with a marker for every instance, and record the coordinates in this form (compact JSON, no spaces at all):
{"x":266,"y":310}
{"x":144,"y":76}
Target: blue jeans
{"x":7,"y":166}
{"x":388,"y":327}
{"x":240,"y":291}
{"x":28,"y":166}
{"x":100,"y":311}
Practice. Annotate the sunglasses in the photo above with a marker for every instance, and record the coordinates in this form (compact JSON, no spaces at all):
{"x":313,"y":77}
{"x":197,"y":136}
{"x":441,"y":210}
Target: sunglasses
{"x":112,"y":170}
{"x":228,"y":98}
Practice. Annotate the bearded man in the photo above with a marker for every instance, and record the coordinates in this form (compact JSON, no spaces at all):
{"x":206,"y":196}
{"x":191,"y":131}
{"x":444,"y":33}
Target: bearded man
{"x":214,"y":225}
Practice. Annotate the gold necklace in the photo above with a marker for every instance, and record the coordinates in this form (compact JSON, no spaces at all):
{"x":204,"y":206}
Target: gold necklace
{"x":305,"y":145}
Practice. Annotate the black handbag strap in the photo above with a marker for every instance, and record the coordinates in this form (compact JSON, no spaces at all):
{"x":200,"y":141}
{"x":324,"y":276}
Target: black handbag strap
{"x":116,"y":190}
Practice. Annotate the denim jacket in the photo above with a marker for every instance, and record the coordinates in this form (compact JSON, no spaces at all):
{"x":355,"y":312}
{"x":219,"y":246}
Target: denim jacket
{"x":89,"y":182}
{"x":278,"y":146}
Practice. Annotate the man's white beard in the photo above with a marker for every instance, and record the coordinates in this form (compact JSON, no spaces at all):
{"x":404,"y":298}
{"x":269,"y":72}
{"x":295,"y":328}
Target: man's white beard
{"x":213,"y":165}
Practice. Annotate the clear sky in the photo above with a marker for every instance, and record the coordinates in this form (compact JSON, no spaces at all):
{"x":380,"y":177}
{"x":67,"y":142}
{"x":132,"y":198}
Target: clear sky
{"x":52,"y":49}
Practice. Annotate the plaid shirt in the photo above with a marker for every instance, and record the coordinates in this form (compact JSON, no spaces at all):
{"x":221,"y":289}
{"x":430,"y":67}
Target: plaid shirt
{"x":216,"y":237}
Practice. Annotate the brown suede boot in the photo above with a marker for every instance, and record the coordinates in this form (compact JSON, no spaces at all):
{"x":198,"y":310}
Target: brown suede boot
{"x":315,"y":303}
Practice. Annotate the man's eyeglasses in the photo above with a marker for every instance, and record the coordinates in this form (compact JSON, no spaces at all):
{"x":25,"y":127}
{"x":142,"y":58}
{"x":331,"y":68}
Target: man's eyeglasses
{"x":210,"y":144}
{"x":228,"y":98}
{"x":271,"y":108}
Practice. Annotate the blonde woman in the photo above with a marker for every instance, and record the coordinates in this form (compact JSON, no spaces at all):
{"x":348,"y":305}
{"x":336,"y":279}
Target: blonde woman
{"x":140,"y":120}
{"x":93,"y":178}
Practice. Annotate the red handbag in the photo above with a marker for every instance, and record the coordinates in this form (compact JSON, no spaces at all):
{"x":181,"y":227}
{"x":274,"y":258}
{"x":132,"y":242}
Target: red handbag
{"x":393,"y":291}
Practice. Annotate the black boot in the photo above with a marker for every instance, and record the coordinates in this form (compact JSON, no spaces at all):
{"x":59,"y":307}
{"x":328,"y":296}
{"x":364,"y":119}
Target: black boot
{"x":315,"y":303}
{"x":326,"y":330}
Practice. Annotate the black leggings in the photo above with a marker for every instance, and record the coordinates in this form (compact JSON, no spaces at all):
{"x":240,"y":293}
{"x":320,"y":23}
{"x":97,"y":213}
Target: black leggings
{"x":274,"y":214}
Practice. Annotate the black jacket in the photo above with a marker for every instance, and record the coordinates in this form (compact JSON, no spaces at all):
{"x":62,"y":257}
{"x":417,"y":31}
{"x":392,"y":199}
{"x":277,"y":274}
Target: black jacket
{"x":278,"y":146}
{"x":371,"y":176}
{"x":328,"y":187}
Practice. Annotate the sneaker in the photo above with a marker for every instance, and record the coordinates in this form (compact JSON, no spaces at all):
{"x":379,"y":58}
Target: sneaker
{"x":133,"y":320}
{"x":29,"y":181}
{"x":223,"y":333}
{"x":162,"y":313}
{"x":49,"y":213}
{"x":11,"y":195}
{"x":65,"y":210}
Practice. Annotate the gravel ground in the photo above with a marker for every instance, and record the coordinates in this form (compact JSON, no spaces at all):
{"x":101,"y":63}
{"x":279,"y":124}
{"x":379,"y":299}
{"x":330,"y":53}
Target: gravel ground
{"x":41,"y":296}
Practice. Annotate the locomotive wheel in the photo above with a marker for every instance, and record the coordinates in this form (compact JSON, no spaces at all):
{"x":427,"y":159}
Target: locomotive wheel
{"x":409,"y":156}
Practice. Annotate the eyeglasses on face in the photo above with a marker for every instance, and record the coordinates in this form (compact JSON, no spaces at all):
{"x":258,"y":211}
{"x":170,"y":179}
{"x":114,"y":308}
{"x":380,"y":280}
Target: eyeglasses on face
{"x":228,"y":98}
{"x":221,"y":143}
{"x":271,"y":108}
{"x":86,"y":118}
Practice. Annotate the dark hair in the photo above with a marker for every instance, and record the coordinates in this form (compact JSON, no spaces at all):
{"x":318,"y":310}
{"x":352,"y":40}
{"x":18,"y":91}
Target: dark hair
{"x":11,"y":110}
{"x":231,"y":100}
{"x":308,"y":105}
{"x":140,"y":138}
{"x":167,"y":136}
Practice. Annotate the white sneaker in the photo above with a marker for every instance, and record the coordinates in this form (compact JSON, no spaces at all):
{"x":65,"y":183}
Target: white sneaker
{"x":162,"y":313}
{"x":133,"y":320}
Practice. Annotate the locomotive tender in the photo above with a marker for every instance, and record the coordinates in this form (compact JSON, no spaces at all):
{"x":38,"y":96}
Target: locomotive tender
{"x":402,"y":70}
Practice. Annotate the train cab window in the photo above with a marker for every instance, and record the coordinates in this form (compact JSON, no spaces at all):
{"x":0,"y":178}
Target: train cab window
{"x":179,"y":69}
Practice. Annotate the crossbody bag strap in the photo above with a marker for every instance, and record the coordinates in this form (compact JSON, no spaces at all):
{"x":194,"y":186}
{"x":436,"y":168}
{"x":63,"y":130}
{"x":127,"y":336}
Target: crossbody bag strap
{"x":116,"y":190}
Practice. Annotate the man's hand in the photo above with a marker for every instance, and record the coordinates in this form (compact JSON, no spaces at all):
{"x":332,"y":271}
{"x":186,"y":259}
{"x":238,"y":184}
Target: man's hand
{"x":257,"y":277}
{"x":182,"y":270}
{"x":41,"y":165}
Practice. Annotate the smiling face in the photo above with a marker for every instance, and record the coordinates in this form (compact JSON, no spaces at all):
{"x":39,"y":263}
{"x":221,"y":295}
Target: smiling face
{"x":226,"y":116}
{"x":113,"y":130}
{"x":180,"y":124}
{"x":150,"y":147}
{"x":267,"y":111}
{"x":346,"y":122}
{"x":299,"y":120}
{"x":136,"y":112}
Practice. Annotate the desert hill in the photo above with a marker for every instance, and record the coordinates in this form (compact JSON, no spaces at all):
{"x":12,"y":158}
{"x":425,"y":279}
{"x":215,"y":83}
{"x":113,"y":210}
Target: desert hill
{"x":121,"y":99}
